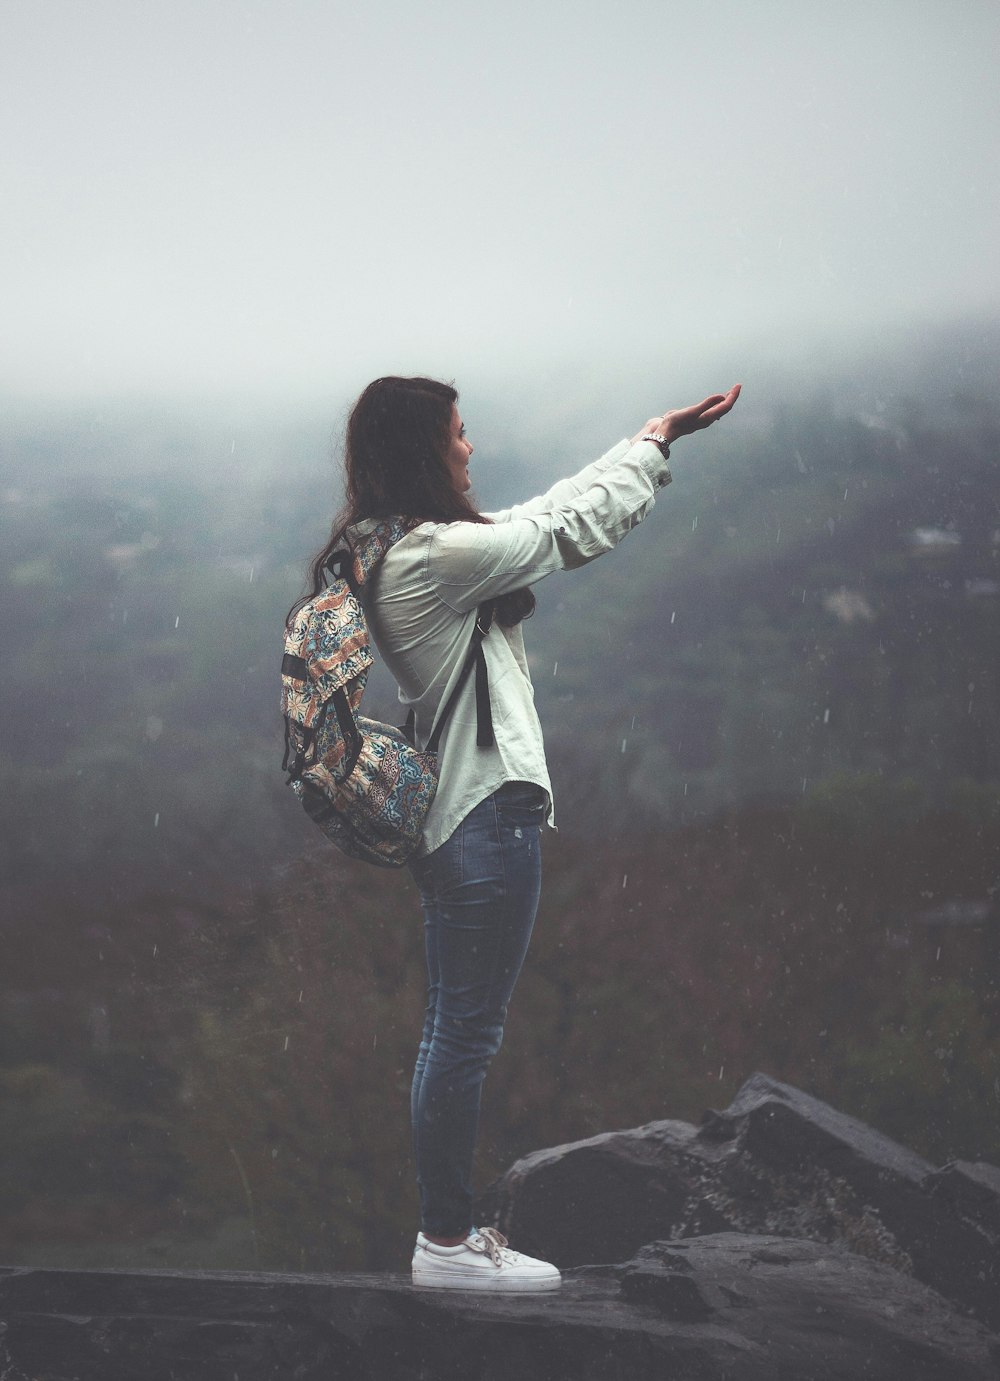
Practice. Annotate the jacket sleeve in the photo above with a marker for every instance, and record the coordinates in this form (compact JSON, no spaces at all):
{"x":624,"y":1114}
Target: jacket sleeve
{"x":577,"y":521}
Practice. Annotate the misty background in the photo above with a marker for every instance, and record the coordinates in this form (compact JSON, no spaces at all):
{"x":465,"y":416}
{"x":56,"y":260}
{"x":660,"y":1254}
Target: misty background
{"x":772,"y":717}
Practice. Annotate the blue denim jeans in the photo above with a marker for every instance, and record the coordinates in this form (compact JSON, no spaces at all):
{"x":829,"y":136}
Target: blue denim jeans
{"x":479,"y":893}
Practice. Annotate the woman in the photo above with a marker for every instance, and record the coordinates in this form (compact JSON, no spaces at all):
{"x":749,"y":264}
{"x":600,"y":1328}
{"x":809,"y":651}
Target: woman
{"x":478,"y":870}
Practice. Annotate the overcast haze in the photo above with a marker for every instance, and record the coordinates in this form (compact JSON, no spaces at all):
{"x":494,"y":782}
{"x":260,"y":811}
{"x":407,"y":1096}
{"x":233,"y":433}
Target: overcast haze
{"x":221,"y":195}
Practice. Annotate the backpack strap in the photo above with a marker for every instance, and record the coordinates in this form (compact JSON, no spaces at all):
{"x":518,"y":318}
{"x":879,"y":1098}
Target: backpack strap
{"x":484,"y":711}
{"x":355,"y":567}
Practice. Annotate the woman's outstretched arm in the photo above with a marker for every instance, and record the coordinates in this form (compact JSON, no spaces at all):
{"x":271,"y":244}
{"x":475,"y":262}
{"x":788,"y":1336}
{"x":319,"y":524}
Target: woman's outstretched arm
{"x":471,"y":562}
{"x":675,"y":423}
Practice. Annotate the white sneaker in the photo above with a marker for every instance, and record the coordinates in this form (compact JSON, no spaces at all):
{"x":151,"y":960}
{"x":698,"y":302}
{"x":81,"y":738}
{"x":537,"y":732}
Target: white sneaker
{"x":482,"y":1262}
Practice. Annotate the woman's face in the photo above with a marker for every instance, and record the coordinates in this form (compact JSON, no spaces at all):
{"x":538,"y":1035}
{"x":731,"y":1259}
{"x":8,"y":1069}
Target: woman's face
{"x":456,"y":457}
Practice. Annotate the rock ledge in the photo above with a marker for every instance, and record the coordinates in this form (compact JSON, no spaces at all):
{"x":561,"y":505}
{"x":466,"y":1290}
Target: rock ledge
{"x":704,"y":1309}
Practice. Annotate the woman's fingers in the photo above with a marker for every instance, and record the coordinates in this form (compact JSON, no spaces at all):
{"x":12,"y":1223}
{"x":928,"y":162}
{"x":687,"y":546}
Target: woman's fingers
{"x":677,"y":422}
{"x":721,"y":404}
{"x":714,"y":407}
{"x":718,"y":405}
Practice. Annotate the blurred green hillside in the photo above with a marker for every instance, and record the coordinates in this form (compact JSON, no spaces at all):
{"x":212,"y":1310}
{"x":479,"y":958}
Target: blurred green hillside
{"x":774,"y":729}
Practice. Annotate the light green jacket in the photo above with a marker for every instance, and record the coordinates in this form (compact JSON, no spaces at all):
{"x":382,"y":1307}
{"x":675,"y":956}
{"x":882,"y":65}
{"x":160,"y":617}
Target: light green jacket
{"x":421,"y":606}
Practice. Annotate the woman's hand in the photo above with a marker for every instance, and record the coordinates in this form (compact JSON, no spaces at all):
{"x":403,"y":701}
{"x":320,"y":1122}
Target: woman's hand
{"x":683,"y":421}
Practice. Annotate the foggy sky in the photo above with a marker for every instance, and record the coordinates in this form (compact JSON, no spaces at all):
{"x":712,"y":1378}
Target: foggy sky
{"x":260,"y":195}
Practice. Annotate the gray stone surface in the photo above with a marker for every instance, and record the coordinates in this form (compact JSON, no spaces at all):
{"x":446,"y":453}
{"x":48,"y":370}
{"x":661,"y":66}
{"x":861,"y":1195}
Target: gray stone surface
{"x":707,"y":1309}
{"x":776,"y":1161}
{"x":780,"y":1240}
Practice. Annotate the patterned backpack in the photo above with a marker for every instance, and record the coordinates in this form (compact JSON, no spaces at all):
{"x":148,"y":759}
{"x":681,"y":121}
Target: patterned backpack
{"x":363,"y":782}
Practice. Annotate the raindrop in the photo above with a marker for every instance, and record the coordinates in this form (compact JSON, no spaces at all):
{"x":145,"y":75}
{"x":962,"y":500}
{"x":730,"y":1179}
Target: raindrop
{"x":156,"y":820}
{"x":177,"y":621}
{"x":778,"y":537}
{"x":804,"y":780}
{"x":845,"y":495}
{"x":938,"y":955}
{"x":251,"y":575}
{"x":555,"y":668}
{"x":721,"y":1068}
{"x":673,"y":616}
{"x":156,"y":950}
{"x":803,"y":596}
{"x":632,"y":725}
{"x":695,"y":523}
{"x":300,"y":994}
{"x":624,"y":741}
{"x":826,"y":716}
{"x":232,"y":448}
{"x":624,"y":881}
{"x":286,"y":1043}
{"x":685,"y":788}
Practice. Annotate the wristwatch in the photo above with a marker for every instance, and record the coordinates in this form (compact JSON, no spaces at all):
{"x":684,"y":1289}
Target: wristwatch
{"x":658,"y":439}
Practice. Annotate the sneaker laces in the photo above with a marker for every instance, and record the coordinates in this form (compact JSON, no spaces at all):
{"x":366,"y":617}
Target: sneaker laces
{"x":494,"y":1245}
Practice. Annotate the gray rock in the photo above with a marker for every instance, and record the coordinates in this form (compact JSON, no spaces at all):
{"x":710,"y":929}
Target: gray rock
{"x":779,"y":1240}
{"x":704,"y":1309}
{"x":776,"y":1161}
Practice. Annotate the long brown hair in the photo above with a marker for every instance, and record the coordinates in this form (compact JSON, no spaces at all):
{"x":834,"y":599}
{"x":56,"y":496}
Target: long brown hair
{"x":394,"y":466}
